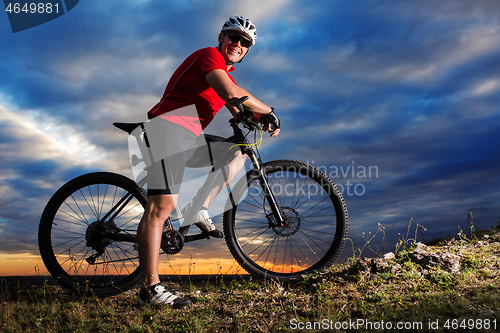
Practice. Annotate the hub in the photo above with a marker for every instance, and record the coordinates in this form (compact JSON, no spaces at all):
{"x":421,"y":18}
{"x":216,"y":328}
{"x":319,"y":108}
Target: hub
{"x":96,"y":235}
{"x":291,"y":222}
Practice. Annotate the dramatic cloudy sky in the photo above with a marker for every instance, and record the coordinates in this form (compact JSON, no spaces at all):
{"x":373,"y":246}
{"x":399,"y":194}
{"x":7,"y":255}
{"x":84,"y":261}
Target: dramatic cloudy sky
{"x":408,"y":90}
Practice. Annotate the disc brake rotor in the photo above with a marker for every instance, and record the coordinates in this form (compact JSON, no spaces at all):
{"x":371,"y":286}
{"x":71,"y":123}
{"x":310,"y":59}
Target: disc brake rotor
{"x":291,"y":222}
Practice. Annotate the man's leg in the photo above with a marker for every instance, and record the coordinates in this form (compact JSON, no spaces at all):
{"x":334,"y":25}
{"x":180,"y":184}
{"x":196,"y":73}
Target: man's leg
{"x":149,"y":232}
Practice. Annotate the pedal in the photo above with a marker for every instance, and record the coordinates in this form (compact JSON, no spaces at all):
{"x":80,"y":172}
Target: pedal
{"x":215,"y":233}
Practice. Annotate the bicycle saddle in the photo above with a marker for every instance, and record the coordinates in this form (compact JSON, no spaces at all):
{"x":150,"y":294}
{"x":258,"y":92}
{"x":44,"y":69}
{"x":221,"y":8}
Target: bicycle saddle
{"x":127,"y":127}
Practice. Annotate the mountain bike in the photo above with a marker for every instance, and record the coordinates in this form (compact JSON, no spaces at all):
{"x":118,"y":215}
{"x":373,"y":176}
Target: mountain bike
{"x":282,"y":220}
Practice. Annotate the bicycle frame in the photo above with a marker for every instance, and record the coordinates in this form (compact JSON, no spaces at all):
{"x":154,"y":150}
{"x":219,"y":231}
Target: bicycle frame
{"x":240,"y":142}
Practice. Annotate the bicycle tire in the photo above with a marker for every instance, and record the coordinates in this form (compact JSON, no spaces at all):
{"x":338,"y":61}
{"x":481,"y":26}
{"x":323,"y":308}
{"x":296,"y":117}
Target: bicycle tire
{"x":314,"y":230}
{"x":67,"y":235}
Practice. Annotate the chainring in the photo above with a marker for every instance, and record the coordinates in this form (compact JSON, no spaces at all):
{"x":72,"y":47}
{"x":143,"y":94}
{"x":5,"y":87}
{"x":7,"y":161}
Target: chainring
{"x":172,"y":241}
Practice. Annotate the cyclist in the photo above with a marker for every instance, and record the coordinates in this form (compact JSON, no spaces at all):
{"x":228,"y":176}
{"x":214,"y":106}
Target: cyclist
{"x":197,"y":90}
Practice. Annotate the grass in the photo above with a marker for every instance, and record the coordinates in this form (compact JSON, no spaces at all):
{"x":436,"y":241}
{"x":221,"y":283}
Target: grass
{"x":345,"y":297}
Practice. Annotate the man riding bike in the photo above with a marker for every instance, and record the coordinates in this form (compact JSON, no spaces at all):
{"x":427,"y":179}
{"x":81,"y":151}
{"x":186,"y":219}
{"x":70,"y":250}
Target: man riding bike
{"x":197,"y":90}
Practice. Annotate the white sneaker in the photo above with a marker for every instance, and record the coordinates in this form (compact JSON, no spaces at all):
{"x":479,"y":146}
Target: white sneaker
{"x":204,"y":222}
{"x":157,"y":294}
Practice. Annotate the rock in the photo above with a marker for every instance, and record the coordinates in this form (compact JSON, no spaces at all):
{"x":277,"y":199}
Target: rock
{"x":378,"y":265}
{"x":396,"y":268}
{"x":425,"y":256}
{"x":389,"y":256}
{"x":427,"y":259}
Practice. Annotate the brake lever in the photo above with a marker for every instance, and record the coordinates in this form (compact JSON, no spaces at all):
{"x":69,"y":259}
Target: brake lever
{"x":243,"y":115}
{"x":238,"y":103}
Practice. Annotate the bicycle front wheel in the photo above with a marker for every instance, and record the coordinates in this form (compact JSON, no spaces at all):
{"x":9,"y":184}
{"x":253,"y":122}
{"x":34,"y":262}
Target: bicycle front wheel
{"x":73,"y":239}
{"x":313,"y":231}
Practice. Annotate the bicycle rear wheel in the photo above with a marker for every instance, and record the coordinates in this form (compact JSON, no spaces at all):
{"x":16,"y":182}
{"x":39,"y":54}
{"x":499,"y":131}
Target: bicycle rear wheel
{"x":314,"y":228}
{"x":72,"y":239}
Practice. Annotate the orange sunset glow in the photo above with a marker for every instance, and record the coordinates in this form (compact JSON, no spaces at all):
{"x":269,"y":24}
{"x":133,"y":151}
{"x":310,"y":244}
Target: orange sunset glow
{"x":24,"y":264}
{"x":28,"y":264}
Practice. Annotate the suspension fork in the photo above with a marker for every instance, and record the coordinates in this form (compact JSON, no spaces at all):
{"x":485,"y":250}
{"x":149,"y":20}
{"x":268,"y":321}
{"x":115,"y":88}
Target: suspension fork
{"x":268,"y":194}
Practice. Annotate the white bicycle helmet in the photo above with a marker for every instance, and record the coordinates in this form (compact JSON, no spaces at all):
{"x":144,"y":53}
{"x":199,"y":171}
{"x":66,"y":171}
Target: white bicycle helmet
{"x":242,"y":24}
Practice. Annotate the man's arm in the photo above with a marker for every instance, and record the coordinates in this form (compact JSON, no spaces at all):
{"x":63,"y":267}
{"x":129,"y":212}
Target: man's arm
{"x":227,"y":90}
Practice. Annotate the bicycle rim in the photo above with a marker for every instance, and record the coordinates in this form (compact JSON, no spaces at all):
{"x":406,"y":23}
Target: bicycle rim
{"x":69,"y":235}
{"x":314,"y":229}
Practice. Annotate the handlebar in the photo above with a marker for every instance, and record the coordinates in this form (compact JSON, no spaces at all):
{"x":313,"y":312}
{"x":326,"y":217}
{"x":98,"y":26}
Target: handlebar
{"x":247,"y":120}
{"x":269,"y":120}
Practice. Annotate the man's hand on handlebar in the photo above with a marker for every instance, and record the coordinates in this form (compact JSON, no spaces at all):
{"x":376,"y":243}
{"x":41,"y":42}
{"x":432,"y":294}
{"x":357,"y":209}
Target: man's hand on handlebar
{"x":270,"y":123}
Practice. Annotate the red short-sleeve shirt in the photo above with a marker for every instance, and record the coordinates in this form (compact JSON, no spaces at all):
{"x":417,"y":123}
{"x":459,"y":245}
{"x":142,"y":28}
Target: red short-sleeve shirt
{"x":188,"y":86}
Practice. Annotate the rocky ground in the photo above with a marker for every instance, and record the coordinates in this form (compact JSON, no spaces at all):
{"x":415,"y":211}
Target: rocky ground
{"x":454,"y":285}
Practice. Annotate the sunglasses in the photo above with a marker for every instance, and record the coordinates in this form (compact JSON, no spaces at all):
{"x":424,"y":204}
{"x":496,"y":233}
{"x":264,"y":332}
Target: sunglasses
{"x":236,"y":37}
